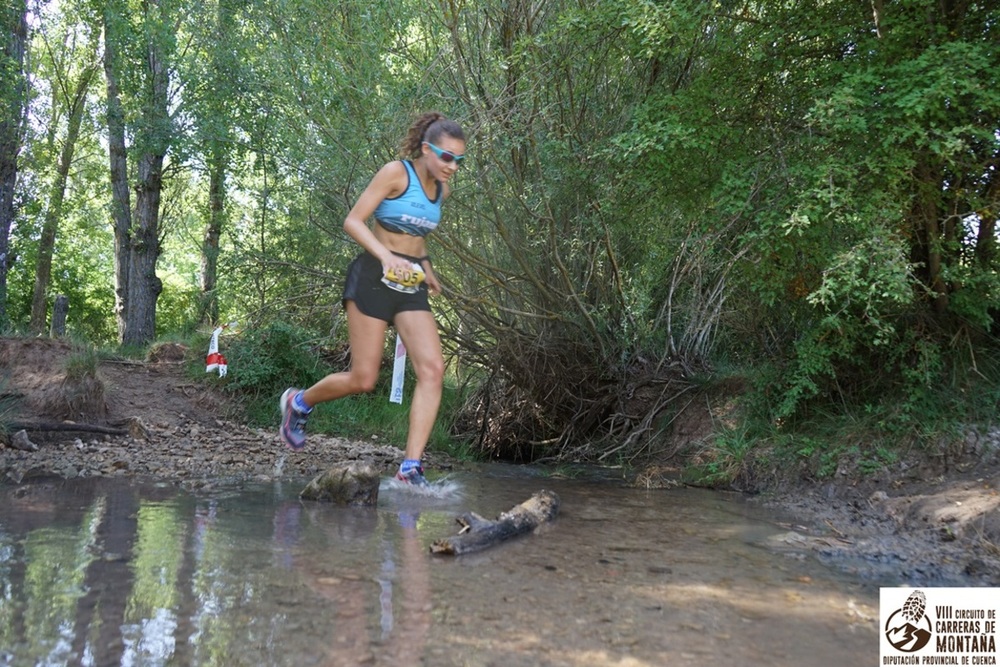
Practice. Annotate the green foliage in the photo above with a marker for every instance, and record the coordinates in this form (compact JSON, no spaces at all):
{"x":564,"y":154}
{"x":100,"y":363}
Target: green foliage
{"x":860,"y":299}
{"x":874,"y":413}
{"x":727,"y":462}
{"x":847,"y":153}
{"x":802,"y":190}
{"x":820,"y":450}
{"x":265,"y":361}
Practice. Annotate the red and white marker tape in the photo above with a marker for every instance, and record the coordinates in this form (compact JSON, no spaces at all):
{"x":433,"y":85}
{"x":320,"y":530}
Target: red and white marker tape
{"x":398,"y":370}
{"x":215,"y":360}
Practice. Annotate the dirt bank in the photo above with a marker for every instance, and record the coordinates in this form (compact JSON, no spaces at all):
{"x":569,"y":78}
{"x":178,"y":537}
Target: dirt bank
{"x":915,"y":523}
{"x":158,"y":422}
{"x":925,"y":523}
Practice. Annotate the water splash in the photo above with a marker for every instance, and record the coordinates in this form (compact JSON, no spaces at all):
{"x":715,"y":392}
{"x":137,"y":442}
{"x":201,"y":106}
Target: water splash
{"x":440,"y":488}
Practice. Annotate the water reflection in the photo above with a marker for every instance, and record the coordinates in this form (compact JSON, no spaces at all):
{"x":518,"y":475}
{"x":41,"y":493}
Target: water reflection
{"x":108,"y":572}
{"x":399,"y":590}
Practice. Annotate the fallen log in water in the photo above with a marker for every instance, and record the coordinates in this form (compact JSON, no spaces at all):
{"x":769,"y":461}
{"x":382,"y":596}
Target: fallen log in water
{"x":478,"y":533}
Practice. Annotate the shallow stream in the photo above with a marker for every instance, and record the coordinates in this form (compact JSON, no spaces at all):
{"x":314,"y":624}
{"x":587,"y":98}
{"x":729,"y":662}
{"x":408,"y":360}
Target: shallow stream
{"x":106,"y":572}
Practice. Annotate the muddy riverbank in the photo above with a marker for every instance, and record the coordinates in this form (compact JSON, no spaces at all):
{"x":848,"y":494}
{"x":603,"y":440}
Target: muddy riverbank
{"x":916,"y":524}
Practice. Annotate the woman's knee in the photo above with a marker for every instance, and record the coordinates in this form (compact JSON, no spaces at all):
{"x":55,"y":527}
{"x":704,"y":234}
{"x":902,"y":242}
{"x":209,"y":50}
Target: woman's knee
{"x":430,"y":371}
{"x":363,"y":381}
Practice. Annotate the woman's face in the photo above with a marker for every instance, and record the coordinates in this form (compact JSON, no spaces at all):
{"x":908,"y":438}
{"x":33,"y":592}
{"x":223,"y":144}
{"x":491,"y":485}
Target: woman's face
{"x":443,"y":156}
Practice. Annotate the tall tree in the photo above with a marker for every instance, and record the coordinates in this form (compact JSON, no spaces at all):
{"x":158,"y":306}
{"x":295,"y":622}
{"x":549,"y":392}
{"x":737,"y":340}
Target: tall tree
{"x":148,"y":43}
{"x":14,"y":85}
{"x":70,"y":90}
{"x":114,"y":23}
{"x":214,"y":112}
{"x":154,"y":138}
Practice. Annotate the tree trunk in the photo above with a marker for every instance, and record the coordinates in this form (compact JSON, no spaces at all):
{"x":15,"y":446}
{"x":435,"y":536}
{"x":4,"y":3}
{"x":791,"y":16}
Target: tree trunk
{"x":121,"y":206}
{"x":14,"y":33}
{"x":926,"y":249}
{"x":137,"y":247}
{"x":53,"y":215}
{"x":59,"y":311}
{"x":213,"y":231}
{"x":986,"y":239}
{"x":219,"y":139}
{"x":144,"y":286}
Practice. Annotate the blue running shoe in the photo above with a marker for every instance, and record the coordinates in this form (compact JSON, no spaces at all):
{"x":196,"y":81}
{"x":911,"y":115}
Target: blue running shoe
{"x":414,"y":476}
{"x":293,"y":422}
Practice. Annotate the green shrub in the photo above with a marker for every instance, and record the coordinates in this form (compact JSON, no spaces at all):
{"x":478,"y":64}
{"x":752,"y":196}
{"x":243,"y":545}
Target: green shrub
{"x":264,"y":362}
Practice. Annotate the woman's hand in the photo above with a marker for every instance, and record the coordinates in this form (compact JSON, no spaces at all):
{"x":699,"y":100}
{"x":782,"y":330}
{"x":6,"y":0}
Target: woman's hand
{"x":401,"y":266}
{"x":433,"y":286}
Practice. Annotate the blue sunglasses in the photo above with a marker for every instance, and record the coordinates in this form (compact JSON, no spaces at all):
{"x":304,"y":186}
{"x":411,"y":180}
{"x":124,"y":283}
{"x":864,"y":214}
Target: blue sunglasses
{"x":446,"y":156}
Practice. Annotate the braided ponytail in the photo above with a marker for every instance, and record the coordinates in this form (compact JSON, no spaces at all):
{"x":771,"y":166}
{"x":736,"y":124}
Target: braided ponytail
{"x":428,"y":127}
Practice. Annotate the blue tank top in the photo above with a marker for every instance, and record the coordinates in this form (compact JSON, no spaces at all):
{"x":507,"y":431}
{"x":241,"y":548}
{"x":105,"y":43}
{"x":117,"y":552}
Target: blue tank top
{"x":410,"y":212}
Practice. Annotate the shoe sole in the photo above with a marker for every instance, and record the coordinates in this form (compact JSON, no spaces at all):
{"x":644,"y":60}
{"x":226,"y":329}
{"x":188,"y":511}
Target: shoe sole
{"x":282,"y":402}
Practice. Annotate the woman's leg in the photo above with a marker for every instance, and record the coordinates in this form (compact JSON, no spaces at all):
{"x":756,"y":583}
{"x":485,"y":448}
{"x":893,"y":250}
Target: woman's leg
{"x":419,"y":332}
{"x":367,"y":337}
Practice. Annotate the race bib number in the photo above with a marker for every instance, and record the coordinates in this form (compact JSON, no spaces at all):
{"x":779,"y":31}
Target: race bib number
{"x":405,"y":281}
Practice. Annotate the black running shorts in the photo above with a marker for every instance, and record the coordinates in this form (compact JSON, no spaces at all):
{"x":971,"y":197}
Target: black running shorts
{"x":374,"y":298}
